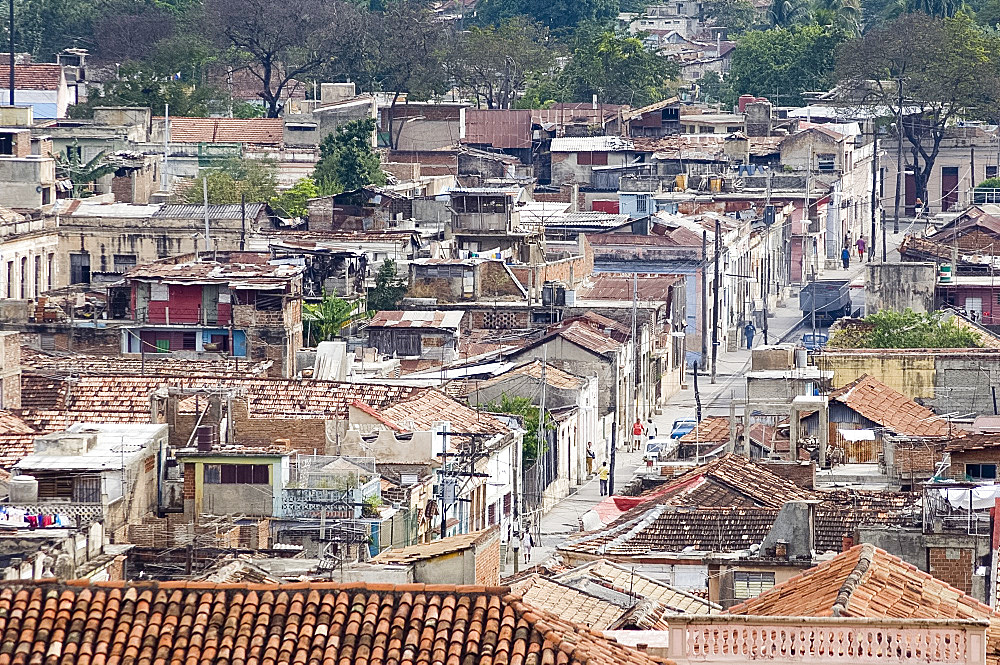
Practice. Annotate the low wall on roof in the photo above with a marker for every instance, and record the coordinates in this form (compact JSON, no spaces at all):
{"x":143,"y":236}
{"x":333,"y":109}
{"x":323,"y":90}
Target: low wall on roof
{"x":944,"y":380}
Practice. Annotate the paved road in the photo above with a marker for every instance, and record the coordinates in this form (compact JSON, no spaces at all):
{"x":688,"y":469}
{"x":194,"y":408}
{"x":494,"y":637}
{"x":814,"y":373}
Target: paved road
{"x":564,"y":518}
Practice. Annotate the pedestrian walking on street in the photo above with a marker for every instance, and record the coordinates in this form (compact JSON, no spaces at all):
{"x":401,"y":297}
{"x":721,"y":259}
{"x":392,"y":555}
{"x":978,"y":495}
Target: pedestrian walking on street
{"x":526,"y":545}
{"x":651,"y":428}
{"x":637,"y":431}
{"x":845,"y":256}
{"x":590,"y":458}
{"x":603,"y":475}
{"x":861,"y":248}
{"x":749,"y":331}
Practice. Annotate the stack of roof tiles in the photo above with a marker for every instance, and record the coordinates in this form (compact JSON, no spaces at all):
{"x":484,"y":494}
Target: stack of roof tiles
{"x":325,"y":623}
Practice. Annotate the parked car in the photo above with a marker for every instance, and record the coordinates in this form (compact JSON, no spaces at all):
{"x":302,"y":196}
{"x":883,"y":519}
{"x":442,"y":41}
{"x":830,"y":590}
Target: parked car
{"x":815,"y":342}
{"x":682,"y":426}
{"x":654,"y":450}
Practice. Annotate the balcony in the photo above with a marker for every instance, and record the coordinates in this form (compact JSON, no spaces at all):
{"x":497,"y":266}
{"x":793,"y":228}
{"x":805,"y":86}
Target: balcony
{"x":804,"y":640}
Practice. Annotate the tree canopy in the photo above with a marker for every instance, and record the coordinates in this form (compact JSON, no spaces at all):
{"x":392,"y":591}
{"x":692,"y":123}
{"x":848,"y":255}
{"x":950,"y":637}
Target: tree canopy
{"x":888,"y":329}
{"x":931,"y":70}
{"x":347,"y":160}
{"x":782,"y":63}
{"x":522,"y":407}
{"x":256,"y":179}
{"x":389,"y":288}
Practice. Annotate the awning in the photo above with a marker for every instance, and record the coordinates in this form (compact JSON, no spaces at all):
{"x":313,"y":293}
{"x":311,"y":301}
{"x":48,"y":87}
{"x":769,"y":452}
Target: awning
{"x":853,"y":435}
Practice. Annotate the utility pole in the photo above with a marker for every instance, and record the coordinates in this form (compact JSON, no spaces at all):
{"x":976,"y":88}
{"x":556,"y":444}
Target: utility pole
{"x":704,"y":295}
{"x":243,"y":220}
{"x":611,"y":471}
{"x":164,"y":183}
{"x":715,"y":296}
{"x":10,"y":30}
{"x":972,"y":166}
{"x":697,"y":395}
{"x":204,"y":190}
{"x":871,"y":248}
{"x":636,"y":356}
{"x":540,"y":441}
{"x":899,"y":158}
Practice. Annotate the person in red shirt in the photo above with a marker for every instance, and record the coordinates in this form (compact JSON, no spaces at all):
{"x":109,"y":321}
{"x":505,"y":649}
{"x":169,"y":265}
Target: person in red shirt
{"x":637,"y":431}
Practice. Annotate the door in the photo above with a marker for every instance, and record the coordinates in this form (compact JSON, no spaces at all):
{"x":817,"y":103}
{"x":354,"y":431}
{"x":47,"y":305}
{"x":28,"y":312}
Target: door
{"x":79,"y":268}
{"x":911,"y":195}
{"x":949,"y":187}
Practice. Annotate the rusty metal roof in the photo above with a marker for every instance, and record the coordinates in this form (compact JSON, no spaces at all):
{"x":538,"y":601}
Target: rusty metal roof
{"x":417,"y":319}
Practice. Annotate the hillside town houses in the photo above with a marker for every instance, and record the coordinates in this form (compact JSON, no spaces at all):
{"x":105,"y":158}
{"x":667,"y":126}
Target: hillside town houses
{"x":585,"y":383}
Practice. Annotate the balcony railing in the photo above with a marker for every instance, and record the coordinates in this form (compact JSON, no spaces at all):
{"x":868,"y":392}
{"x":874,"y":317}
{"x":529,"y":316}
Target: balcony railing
{"x":781,"y":640}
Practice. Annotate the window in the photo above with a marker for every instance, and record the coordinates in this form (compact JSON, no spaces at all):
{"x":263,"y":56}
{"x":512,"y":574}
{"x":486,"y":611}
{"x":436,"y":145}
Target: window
{"x":641,"y":203}
{"x":73,"y":152}
{"x":233,"y":474}
{"x":24,"y":277}
{"x":10,"y":279}
{"x":188,"y":341}
{"x":79,"y":268}
{"x":826,"y":161}
{"x":46,"y":196}
{"x":991,"y":171}
{"x":38,"y":275}
{"x":51,"y":271}
{"x":981,"y":471}
{"x":124,"y":262}
{"x":268,"y":303}
{"x":6,"y":144}
{"x":751,"y":584}
{"x":592,"y":158}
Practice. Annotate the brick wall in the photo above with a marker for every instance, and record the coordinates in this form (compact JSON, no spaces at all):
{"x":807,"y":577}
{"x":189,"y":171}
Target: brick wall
{"x":189,"y":481}
{"x":960,"y":459}
{"x":488,"y":560}
{"x":303,"y":434}
{"x":498,"y":319}
{"x":952,"y":565}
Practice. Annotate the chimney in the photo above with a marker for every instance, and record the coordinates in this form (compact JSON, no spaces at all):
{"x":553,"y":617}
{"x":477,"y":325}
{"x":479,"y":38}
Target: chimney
{"x":793,"y":534}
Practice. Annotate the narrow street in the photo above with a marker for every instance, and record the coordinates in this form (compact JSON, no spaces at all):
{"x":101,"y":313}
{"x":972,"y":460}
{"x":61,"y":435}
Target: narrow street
{"x":564,"y":519}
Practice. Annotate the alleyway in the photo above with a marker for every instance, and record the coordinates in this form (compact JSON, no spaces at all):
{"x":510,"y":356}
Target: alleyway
{"x":564,"y":518}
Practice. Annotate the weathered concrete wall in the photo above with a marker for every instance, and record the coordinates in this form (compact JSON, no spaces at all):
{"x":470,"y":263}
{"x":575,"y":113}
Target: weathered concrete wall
{"x":237,"y":499}
{"x":900,"y":286}
{"x":943,"y":380}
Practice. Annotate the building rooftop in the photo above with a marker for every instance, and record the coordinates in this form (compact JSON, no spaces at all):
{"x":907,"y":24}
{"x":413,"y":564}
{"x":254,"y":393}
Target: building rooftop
{"x":434,"y":549}
{"x":427,"y":406}
{"x":242,"y":270}
{"x":417,"y":319}
{"x":257,"y":131}
{"x":891,"y":409}
{"x":115,"y":446}
{"x":554,"y":377}
{"x":37,"y":76}
{"x":66,"y":363}
{"x":295,"y":622}
{"x":619,"y":286}
{"x":868,"y":582}
{"x":570,"y":603}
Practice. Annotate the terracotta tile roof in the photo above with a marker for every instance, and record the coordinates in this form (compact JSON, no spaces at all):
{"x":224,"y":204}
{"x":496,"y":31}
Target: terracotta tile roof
{"x":728,"y":505}
{"x":554,"y":377}
{"x":53,"y":363}
{"x":40,"y":76}
{"x":429,"y":405}
{"x":713,"y":429}
{"x":52,"y":403}
{"x":618,"y":286}
{"x":436,"y":548}
{"x":584,"y":336}
{"x":202,"y":623}
{"x":625,"y":580}
{"x":973,"y":442}
{"x":256,"y":131}
{"x":620,"y":331}
{"x":569,"y":603}
{"x":893,"y":410}
{"x":14,"y":448}
{"x":868,"y":582}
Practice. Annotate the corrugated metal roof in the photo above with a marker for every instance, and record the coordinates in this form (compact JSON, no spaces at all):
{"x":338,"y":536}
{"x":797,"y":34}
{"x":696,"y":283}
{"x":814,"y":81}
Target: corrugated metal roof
{"x":498,"y":128}
{"x":195,"y":211}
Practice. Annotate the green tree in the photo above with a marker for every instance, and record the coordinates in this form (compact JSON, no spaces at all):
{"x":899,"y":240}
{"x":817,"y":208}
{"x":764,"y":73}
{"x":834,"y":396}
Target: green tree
{"x":782,"y":63}
{"x":82,"y":174}
{"x":140,"y":85}
{"x":888,"y":329}
{"x":710,"y":87}
{"x":293,"y":201}
{"x":560,"y":16}
{"x":256,"y":179}
{"x":737,"y":16}
{"x":842,"y":14}
{"x":327,"y":318}
{"x":347,"y":161}
{"x":788,"y":13}
{"x":940,"y":69}
{"x":389,"y":288}
{"x":619,"y":69}
{"x":522,"y":407}
{"x":495,"y":63}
